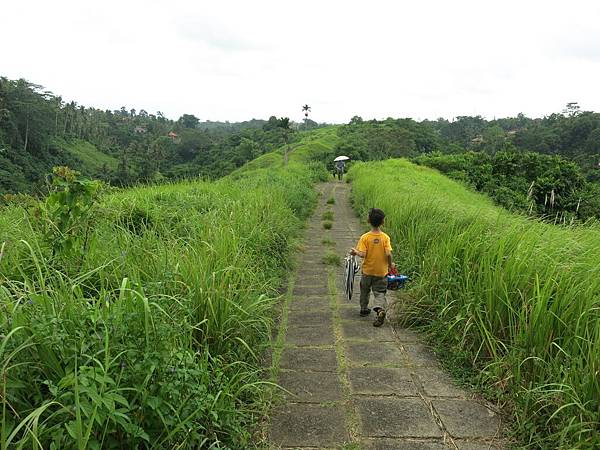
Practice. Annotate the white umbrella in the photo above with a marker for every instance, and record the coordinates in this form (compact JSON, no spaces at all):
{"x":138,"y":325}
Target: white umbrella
{"x":341,"y":158}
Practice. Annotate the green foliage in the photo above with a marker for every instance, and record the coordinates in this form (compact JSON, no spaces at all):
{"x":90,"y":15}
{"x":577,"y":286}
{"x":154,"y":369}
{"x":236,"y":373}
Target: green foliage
{"x":331,"y":201}
{"x":65,"y":214}
{"x":513,"y":299}
{"x":327,"y":215}
{"x":154,"y":339}
{"x":548,"y":186}
{"x":327,"y":225}
{"x":391,"y":138}
{"x":189,"y":121}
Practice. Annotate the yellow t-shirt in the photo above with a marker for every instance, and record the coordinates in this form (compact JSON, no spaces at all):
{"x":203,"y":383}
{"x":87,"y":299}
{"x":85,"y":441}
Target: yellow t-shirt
{"x":376,"y":247}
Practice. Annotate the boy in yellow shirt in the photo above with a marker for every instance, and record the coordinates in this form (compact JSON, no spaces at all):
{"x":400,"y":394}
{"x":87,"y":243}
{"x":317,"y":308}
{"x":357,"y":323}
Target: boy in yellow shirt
{"x":376,"y":249}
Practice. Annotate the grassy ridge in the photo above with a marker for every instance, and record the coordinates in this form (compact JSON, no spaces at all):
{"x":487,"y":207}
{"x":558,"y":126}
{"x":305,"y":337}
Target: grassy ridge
{"x":312,"y":150}
{"x":152,"y":339}
{"x":516,"y":299}
{"x":92,"y":159}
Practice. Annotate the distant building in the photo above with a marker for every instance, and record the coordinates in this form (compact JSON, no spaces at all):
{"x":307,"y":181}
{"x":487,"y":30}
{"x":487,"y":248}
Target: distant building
{"x":139,"y":130}
{"x":173,"y":135}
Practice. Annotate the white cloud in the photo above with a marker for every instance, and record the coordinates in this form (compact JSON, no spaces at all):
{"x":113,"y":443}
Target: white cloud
{"x":234,"y":60}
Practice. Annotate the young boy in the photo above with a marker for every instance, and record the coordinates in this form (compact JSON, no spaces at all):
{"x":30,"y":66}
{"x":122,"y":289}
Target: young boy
{"x":376,"y":249}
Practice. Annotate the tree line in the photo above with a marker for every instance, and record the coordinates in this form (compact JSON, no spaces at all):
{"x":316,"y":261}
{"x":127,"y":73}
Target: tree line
{"x":39,"y":130}
{"x":547,"y":167}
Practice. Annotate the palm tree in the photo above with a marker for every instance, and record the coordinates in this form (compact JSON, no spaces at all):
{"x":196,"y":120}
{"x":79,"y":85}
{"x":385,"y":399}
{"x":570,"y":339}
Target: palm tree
{"x":306,"y":110}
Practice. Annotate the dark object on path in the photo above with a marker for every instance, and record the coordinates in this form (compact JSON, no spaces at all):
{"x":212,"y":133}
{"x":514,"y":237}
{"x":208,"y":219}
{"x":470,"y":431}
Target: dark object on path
{"x":350,"y":270}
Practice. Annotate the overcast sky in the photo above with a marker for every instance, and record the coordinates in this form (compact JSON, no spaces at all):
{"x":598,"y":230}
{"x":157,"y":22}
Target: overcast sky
{"x":235,"y":60}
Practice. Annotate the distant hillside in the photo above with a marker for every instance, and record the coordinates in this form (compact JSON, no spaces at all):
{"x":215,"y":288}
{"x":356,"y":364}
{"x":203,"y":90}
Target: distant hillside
{"x":38,"y":130}
{"x":91,"y":159}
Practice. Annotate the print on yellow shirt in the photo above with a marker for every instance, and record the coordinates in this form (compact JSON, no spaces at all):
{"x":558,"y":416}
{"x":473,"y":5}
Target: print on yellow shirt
{"x":376,"y":246}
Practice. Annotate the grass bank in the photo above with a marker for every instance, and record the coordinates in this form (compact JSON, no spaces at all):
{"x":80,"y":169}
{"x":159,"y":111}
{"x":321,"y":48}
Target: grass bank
{"x":515,"y":301}
{"x":148,"y":335}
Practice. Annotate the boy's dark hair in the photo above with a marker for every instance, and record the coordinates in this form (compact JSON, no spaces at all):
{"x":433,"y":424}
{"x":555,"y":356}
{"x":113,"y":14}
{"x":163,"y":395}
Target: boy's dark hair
{"x":376,"y":217}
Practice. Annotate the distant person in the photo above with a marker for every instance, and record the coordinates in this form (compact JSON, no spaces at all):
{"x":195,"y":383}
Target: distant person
{"x":339,"y":168}
{"x":376,"y":249}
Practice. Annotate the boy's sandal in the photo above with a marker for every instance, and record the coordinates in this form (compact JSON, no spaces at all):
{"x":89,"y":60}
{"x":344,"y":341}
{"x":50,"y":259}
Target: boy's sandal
{"x":365,"y":312}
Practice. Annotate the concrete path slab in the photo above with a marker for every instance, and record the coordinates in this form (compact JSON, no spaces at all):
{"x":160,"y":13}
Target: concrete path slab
{"x":467,"y":419}
{"x":401,"y":444}
{"x":381,"y":381}
{"x":314,"y":278}
{"x":374,"y":354}
{"x":313,"y":387}
{"x":363,"y":330}
{"x":437,"y":384}
{"x":314,"y":359}
{"x":420,"y":355}
{"x":313,"y":303}
{"x":396,"y":417}
{"x":306,"y":318}
{"x":310,"y":290}
{"x":350,"y":312}
{"x":308,"y":425}
{"x":310,"y":336}
{"x":465,"y":445}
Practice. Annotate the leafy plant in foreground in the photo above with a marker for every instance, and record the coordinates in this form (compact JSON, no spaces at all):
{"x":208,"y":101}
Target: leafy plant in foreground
{"x":66,"y":213}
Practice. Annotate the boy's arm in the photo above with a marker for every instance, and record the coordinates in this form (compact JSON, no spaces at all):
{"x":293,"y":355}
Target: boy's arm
{"x":388,"y":254}
{"x":353,"y":251}
{"x":360,"y":250}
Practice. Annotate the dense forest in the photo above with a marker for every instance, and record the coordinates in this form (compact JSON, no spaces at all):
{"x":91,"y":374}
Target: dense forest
{"x":38,"y":130}
{"x":546,"y":167}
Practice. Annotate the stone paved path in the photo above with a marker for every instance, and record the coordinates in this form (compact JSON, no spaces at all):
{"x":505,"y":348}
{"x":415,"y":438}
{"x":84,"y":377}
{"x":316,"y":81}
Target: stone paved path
{"x":354,"y":386}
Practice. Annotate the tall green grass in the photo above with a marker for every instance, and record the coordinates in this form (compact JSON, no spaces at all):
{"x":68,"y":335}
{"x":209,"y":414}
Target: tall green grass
{"x":516,"y":299}
{"x":153,"y":339}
